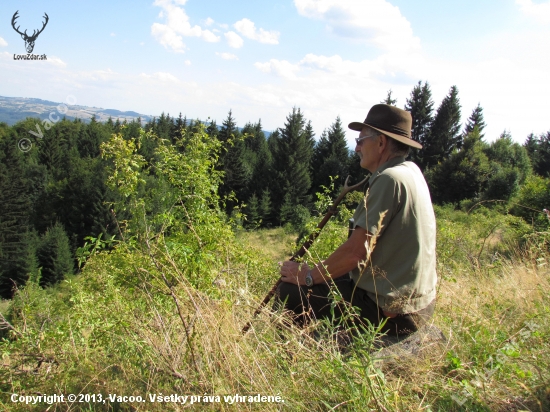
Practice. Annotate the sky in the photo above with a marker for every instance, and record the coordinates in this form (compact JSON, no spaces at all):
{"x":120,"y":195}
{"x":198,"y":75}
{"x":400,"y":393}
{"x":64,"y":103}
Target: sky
{"x":261,"y":58}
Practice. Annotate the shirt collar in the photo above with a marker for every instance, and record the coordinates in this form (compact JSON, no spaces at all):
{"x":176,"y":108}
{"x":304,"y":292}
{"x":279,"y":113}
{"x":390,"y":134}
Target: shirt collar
{"x":390,"y":163}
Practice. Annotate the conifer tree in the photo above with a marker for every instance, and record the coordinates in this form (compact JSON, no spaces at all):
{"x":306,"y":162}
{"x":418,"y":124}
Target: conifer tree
{"x":389,"y":100}
{"x":253,"y":211}
{"x":293,"y":158}
{"x":331,"y":157}
{"x":54,"y":256}
{"x":420,"y":105}
{"x":212,"y":129}
{"x":228,"y":129}
{"x":445,"y":130}
{"x":476,"y":120}
{"x":462,"y":175}
{"x":237,"y":170}
{"x":15,"y":208}
{"x":179,"y":127}
{"x":265,"y":207}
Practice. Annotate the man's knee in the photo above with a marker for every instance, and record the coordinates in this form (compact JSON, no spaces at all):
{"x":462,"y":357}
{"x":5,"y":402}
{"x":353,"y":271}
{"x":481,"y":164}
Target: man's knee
{"x":287,"y":294}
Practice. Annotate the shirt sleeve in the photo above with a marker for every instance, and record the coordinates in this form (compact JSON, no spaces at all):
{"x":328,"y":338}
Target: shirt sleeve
{"x":381,"y":198}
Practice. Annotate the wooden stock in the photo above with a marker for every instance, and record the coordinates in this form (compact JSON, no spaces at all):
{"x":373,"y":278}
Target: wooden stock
{"x":302,"y":251}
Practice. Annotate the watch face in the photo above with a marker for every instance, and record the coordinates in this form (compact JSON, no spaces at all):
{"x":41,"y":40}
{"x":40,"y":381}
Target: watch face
{"x":309,"y":279}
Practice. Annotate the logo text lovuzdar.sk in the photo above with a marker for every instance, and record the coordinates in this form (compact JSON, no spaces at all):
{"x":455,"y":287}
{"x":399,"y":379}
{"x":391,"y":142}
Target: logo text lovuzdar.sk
{"x":29,"y":39}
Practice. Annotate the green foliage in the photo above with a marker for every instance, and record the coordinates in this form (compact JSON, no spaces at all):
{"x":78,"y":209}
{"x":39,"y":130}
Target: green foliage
{"x":253,"y":212}
{"x":475,"y":121}
{"x":265,"y":208}
{"x":478,"y":240}
{"x":480,"y":171}
{"x":444,"y":130}
{"x":54,"y":256}
{"x":292,"y":159}
{"x":420,"y":105}
{"x":510,"y":167}
{"x":389,"y":100}
{"x":92,"y":246}
{"x":330,"y":158}
{"x":463,"y":175}
{"x":532,"y":198}
{"x":335,"y":231}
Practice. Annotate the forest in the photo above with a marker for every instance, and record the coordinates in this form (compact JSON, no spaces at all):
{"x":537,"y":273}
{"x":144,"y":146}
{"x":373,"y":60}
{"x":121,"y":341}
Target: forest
{"x":117,"y":234}
{"x":56,"y":195}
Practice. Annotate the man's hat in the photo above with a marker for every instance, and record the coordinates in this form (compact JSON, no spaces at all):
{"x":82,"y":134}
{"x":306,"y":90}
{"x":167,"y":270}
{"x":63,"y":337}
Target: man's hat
{"x":391,"y":121}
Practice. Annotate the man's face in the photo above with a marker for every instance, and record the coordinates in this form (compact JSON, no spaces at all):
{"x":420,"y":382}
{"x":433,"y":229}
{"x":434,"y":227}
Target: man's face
{"x":367,"y":146}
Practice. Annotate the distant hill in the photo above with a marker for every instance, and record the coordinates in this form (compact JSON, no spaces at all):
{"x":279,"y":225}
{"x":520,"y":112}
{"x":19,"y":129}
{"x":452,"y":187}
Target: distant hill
{"x":14,"y":109}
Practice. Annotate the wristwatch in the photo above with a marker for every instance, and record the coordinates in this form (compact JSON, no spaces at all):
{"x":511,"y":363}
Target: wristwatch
{"x":309,"y":279}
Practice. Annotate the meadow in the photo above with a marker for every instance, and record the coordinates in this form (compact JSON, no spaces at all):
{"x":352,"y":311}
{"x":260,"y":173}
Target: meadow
{"x":157,"y":315}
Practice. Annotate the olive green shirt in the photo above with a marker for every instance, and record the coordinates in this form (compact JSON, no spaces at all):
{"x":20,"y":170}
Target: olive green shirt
{"x":400,"y":274}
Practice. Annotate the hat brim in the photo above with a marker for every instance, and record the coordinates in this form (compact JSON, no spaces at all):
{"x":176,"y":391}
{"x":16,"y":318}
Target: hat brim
{"x":358,"y":126}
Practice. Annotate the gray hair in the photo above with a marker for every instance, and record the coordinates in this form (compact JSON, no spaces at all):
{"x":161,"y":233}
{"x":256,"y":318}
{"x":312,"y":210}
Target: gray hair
{"x":397,"y":148}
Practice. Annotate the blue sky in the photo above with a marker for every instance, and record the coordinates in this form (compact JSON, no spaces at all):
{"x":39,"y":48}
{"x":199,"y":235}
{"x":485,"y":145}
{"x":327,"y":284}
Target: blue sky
{"x":260,"y":58}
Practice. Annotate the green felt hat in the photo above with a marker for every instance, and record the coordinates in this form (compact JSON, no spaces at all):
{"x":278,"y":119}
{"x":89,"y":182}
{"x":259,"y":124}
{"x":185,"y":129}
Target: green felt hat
{"x":391,"y":121}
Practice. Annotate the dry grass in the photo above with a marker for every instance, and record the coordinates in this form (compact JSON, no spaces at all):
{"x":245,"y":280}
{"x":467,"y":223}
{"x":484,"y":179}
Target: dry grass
{"x":4,"y":305}
{"x":503,"y":316}
{"x":143,"y":344}
{"x":276,"y":244}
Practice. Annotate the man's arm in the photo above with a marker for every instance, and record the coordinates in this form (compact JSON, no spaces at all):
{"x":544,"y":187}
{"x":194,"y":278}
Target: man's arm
{"x":344,"y":259}
{"x":340,"y":262}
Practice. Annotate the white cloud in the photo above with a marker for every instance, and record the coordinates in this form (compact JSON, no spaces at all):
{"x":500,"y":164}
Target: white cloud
{"x":56,"y":61}
{"x":227,"y":56}
{"x":3,"y":43}
{"x":209,"y":22}
{"x":162,"y":76}
{"x":177,"y":25}
{"x":167,"y":37}
{"x":247,"y":28}
{"x":539,"y":11}
{"x":281,"y":68}
{"x":233,"y":39}
{"x":374,"y":22}
{"x":187,"y":62}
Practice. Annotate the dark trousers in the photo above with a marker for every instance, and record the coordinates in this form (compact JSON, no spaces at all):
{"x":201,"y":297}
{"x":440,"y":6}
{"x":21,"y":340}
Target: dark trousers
{"x":315,"y":303}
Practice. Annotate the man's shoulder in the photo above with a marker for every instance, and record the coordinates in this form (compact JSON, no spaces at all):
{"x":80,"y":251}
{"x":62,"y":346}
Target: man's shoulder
{"x":402,"y":171}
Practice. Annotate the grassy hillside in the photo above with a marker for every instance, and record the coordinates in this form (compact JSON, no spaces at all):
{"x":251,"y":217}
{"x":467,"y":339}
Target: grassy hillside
{"x":160,"y":314}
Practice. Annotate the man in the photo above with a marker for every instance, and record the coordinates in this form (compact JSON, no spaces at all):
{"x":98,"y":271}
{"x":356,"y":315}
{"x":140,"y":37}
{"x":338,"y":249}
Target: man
{"x":390,"y":254}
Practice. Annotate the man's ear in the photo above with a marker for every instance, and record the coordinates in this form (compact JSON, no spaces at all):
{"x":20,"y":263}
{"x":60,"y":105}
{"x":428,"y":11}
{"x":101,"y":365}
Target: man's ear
{"x":382,"y":142}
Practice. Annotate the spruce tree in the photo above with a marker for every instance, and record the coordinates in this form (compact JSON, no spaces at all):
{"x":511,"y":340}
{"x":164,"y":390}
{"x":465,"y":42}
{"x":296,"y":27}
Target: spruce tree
{"x":331,"y":157}
{"x":265,"y":207}
{"x":15,"y":208}
{"x":212,"y":129}
{"x":233,"y":161}
{"x":389,"y":100}
{"x":476,"y":120}
{"x":253,"y":214}
{"x":54,"y":256}
{"x":293,"y":158}
{"x":462,"y":175}
{"x":445,"y":130}
{"x":420,"y":105}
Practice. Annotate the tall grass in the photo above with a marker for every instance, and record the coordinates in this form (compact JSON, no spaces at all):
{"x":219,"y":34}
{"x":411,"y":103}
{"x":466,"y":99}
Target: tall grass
{"x":162,"y":314}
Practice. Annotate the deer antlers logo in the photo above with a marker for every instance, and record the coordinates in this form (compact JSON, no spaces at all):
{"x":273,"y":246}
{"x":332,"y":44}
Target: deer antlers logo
{"x":29,"y":40}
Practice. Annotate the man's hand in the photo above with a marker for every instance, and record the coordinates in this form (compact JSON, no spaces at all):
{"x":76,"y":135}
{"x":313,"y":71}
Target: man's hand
{"x":292,"y":272}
